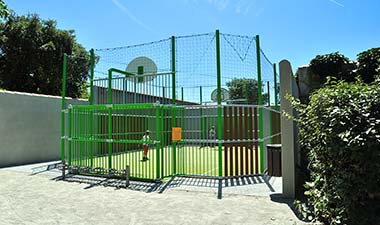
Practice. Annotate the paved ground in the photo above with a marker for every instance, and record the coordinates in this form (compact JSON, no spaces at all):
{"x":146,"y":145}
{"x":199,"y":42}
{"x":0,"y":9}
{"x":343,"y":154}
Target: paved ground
{"x":42,"y":198}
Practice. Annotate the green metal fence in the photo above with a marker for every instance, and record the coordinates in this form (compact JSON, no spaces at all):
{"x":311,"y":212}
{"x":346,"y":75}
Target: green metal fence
{"x":200,"y":82}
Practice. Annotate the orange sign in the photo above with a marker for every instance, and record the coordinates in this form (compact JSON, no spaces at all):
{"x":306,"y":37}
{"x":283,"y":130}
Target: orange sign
{"x":176,"y":134}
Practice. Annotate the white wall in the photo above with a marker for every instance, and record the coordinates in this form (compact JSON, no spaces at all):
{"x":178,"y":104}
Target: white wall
{"x":30,"y":127}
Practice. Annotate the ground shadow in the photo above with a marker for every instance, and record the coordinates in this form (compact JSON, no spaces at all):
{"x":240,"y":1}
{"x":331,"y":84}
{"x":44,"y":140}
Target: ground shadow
{"x":279,"y":198}
{"x":179,"y":181}
{"x":146,"y":187}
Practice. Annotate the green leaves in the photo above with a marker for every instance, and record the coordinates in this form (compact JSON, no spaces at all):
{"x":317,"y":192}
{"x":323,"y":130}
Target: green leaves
{"x":340,"y":130}
{"x":4,"y":11}
{"x":246,"y":89}
{"x":32,"y":55}
{"x":333,"y":65}
{"x":369,"y":64}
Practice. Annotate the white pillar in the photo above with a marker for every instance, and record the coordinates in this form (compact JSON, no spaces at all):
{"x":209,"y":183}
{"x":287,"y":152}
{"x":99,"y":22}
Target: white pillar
{"x":289,"y":132}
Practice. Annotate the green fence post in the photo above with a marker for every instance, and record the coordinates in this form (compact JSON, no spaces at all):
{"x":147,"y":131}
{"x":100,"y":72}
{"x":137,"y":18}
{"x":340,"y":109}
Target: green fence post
{"x":92,"y":65}
{"x":91,"y":100}
{"x":277,"y":118}
{"x":109,"y":88}
{"x":173,"y":71}
{"x":174,"y":144}
{"x":268,"y":89}
{"x":275,"y":87}
{"x":158,"y":108}
{"x":270,"y":115}
{"x":109,"y":92}
{"x":201,"y":112}
{"x":219,"y":98}
{"x":246,"y":93}
{"x":63,"y":108}
{"x":260,"y":103}
{"x":109,"y":138}
{"x":69,"y":118}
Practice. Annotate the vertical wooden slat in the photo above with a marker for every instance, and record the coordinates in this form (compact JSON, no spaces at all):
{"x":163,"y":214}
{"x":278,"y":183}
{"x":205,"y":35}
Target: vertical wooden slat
{"x":236,"y":136}
{"x":251,"y":137}
{"x":256,"y":135}
{"x":246,"y":133}
{"x":230,"y":138}
{"x":241,"y":136}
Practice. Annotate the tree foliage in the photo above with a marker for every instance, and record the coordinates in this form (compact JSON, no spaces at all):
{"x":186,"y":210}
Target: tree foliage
{"x":369,"y":64}
{"x":244,"y":88}
{"x":333,"y":65}
{"x":31,"y":57}
{"x":340,"y":129}
{"x":4,"y":11}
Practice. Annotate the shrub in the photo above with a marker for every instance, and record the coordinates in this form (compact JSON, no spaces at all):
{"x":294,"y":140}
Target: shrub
{"x":369,"y":64}
{"x":340,"y":129}
{"x":333,"y":65}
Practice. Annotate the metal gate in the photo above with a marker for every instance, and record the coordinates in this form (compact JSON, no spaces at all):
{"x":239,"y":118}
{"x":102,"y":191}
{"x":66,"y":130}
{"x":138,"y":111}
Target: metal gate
{"x":104,"y":139}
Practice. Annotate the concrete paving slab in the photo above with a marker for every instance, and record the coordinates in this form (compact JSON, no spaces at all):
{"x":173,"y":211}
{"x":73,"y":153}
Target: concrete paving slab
{"x":44,"y":199}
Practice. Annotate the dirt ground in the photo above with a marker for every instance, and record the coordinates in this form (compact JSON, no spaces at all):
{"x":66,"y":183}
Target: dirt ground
{"x":41,"y":199}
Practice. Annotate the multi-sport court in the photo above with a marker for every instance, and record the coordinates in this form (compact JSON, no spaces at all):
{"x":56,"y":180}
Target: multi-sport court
{"x":178,"y":89}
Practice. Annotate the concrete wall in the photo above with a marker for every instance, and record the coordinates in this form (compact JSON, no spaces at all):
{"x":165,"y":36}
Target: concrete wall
{"x":30,"y":127}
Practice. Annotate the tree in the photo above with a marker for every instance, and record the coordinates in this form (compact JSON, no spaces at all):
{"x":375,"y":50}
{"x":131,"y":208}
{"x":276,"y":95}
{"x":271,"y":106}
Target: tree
{"x":243,"y":88}
{"x":334,"y":65}
{"x":369,"y":64}
{"x":4,"y":11}
{"x":31,"y":57}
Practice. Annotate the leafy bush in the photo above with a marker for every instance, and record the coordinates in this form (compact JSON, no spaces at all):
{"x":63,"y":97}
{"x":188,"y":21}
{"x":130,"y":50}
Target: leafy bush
{"x":369,"y":64}
{"x":333,"y":65}
{"x":340,"y":128}
{"x":245,"y":88}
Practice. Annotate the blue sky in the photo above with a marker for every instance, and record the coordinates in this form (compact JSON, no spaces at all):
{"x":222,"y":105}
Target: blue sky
{"x":296,"y":30}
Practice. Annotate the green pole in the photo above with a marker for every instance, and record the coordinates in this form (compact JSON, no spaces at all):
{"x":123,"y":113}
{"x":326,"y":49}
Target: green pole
{"x":62,"y":108}
{"x":109,"y":93}
{"x":92,"y":65}
{"x":219,"y":98}
{"x":158,"y":133}
{"x":109,"y":89}
{"x":109,"y":138}
{"x":268,"y":93}
{"x":201,"y":112}
{"x":246,"y":93}
{"x":173,"y":71}
{"x":174,"y":102}
{"x":69,"y":118}
{"x":275,"y":87}
{"x":270,"y":114}
{"x":276,"y":98}
{"x":260,"y":103}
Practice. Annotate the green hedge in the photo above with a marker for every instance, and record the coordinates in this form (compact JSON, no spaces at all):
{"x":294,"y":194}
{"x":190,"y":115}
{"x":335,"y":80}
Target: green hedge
{"x":340,"y":129}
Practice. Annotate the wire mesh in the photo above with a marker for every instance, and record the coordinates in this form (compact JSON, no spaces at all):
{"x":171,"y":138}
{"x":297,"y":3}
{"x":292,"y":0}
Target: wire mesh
{"x":150,"y":77}
{"x":195,"y":71}
{"x":239,"y":68}
{"x":196,"y":68}
{"x":147,"y":76}
{"x":267,"y":75}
